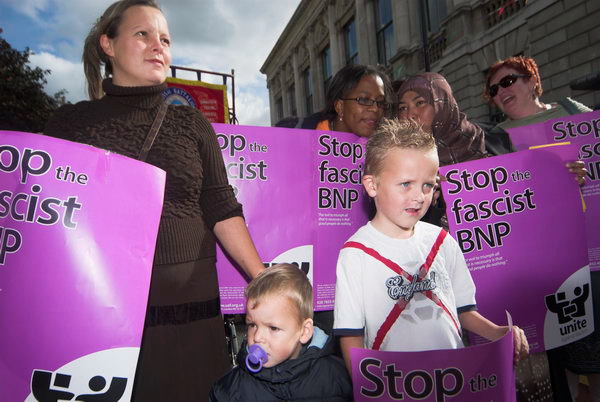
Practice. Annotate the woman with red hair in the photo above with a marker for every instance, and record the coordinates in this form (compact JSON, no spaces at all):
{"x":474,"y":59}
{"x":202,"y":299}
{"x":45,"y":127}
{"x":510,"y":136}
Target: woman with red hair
{"x":514,"y":86}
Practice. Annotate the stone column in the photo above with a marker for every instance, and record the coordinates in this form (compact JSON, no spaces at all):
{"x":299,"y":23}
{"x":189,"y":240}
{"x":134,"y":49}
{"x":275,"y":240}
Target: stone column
{"x":402,"y":24}
{"x":272,"y":103}
{"x":300,"y":89}
{"x":297,"y":85}
{"x":284,"y":100}
{"x":335,"y":44}
{"x":313,"y":63}
{"x":415,"y":21}
{"x":365,"y":32}
{"x":316,"y":71}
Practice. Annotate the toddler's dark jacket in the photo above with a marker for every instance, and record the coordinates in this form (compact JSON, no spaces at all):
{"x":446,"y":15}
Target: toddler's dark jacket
{"x":315,"y":375}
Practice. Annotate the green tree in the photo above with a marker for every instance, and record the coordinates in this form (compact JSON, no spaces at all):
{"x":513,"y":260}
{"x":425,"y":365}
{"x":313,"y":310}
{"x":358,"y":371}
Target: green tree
{"x":24,"y":106}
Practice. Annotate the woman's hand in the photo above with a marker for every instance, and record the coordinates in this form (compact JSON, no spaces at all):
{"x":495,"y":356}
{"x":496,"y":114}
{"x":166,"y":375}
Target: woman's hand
{"x":437,"y":189}
{"x":579,"y":170}
{"x":520,"y":343}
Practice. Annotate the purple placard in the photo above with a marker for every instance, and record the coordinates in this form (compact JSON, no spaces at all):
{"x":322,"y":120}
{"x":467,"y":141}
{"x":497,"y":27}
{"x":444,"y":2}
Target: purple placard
{"x":73,"y":294}
{"x":302,"y":197}
{"x":582,"y":130}
{"x":478,"y":373}
{"x":519,"y":221}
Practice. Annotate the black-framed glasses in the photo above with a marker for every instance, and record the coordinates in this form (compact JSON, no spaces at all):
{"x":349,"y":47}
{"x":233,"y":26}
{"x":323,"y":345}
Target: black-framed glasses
{"x":505,"y":82}
{"x":369,"y":102}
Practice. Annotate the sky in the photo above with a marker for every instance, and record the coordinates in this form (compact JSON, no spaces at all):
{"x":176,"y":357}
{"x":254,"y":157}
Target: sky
{"x":214,"y":35}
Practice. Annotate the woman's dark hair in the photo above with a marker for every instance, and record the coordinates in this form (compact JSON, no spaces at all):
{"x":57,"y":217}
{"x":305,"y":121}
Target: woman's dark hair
{"x":346,"y":80}
{"x":93,"y":56}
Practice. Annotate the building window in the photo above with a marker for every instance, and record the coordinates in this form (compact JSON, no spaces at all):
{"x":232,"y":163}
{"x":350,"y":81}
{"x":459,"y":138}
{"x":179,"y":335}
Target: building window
{"x":385,"y":31}
{"x":279,"y":108}
{"x":308,"y":91}
{"x":436,"y":12}
{"x":326,"y":64}
{"x":292,"y":100}
{"x":350,"y":43}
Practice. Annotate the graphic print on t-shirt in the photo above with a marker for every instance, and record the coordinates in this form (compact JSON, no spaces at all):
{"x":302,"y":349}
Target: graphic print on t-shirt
{"x":400,"y":287}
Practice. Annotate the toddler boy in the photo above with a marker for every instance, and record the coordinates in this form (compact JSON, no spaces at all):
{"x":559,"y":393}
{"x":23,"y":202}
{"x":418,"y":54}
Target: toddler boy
{"x":300,"y":365}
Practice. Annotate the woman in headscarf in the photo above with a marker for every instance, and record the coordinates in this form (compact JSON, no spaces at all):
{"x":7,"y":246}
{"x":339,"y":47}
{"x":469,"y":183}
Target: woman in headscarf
{"x":428,"y":98}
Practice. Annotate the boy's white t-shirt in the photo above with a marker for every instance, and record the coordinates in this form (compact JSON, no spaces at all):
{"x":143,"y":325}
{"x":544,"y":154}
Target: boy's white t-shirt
{"x":365,"y":290}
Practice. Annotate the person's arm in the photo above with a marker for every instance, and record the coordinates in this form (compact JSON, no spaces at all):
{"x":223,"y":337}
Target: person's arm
{"x":220,"y":209}
{"x":347,"y":342}
{"x":234,"y":237}
{"x":474,"y":322}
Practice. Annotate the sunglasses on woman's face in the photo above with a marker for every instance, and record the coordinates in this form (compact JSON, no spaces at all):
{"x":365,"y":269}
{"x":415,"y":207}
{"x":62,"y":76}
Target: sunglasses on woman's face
{"x":505,"y":82}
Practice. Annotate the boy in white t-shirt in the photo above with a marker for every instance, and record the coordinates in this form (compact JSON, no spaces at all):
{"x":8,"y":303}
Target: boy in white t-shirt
{"x":403,"y":284}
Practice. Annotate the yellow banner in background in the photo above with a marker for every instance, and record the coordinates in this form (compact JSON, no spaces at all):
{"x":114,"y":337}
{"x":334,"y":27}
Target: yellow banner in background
{"x":210,"y":99}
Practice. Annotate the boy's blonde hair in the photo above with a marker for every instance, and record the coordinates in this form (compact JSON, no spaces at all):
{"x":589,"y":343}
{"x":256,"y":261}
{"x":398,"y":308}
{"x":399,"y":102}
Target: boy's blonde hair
{"x":392,"y":134}
{"x":286,"y":280}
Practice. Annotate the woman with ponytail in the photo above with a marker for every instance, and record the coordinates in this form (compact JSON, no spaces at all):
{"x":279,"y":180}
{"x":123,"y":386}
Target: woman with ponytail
{"x":126,"y":58}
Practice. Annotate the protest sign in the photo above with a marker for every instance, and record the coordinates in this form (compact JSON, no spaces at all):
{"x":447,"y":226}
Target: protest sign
{"x":78,"y":228}
{"x":583,"y":131}
{"x":302,"y":197}
{"x":518,"y":219}
{"x":478,"y":373}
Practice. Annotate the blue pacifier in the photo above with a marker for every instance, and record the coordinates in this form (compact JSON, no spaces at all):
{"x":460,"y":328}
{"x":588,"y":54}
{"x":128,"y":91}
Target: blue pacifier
{"x":256,"y":358}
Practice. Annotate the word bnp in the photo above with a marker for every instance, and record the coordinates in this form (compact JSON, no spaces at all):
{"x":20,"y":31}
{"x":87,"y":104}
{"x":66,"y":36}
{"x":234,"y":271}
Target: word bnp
{"x":331,"y":197}
{"x":505,"y":203}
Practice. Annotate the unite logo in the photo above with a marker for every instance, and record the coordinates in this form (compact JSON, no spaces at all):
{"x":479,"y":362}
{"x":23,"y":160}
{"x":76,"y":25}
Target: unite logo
{"x":105,"y":376}
{"x":301,"y":256}
{"x":569,"y":311}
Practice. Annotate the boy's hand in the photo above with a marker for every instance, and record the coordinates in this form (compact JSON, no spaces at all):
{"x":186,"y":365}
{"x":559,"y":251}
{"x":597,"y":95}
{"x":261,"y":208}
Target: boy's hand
{"x":475,"y":322}
{"x":520,"y":343}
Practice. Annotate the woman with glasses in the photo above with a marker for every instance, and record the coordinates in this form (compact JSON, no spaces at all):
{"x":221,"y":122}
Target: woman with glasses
{"x":514,"y":86}
{"x":356,"y":100}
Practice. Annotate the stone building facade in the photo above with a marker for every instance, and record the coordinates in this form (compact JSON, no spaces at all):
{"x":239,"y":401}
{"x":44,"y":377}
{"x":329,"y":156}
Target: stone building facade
{"x":462,"y":38}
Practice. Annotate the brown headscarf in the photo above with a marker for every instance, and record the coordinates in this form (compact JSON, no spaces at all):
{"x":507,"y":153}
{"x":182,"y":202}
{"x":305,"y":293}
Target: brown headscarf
{"x":457,"y":139}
